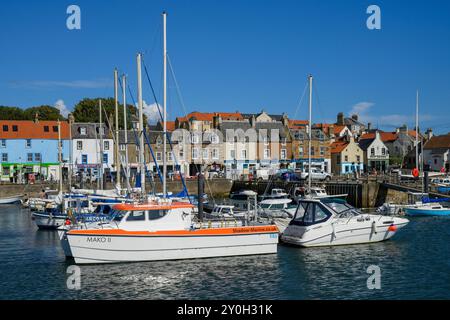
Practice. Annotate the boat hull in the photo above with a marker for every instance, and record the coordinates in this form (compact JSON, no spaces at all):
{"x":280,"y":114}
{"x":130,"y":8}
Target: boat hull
{"x":44,"y":221}
{"x":343,"y":235}
{"x":103,"y":248}
{"x":10,"y":200}
{"x":427,"y":212}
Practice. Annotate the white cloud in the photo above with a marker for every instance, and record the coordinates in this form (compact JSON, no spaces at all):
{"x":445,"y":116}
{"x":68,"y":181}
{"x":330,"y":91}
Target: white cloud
{"x":363,"y":110}
{"x":60,"y":105}
{"x":151,"y":111}
{"x":74,"y":84}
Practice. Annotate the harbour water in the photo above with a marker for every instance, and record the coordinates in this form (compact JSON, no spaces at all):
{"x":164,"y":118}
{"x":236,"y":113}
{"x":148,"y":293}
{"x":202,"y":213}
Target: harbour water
{"x":415,"y":264}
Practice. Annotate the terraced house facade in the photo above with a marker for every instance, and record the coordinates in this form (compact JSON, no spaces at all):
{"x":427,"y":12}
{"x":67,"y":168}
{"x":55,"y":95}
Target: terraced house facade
{"x":31,"y":148}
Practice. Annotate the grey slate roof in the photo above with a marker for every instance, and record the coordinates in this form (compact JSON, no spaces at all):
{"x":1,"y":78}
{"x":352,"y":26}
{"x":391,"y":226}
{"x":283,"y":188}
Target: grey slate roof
{"x":92,"y":131}
{"x":365,"y":143}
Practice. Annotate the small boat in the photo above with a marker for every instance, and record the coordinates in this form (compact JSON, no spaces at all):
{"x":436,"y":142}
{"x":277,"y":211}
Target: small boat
{"x":11,"y":200}
{"x":429,"y":207}
{"x":275,"y":193}
{"x":414,"y":199}
{"x":241,"y":199}
{"x":277,"y":208}
{"x":444,"y":189}
{"x":82,"y":208}
{"x":330,"y":222}
{"x":164,"y":230}
{"x":316,"y":193}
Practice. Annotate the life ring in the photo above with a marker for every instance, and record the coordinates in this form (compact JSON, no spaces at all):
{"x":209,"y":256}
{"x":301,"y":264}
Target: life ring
{"x":415,"y":172}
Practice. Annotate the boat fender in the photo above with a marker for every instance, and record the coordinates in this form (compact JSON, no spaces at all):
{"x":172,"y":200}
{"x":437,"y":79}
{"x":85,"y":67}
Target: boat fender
{"x":209,"y":224}
{"x":333,"y":234}
{"x":68,"y":222}
{"x":392,"y":228}
{"x":374,"y":229}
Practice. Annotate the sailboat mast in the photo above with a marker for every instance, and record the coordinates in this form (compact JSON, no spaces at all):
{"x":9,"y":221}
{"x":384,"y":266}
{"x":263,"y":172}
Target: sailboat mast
{"x":310,"y":77}
{"x":116,"y":110}
{"x":165,"y":106}
{"x":101,"y":141}
{"x":141,"y":123}
{"x":125,"y":126}
{"x":60,"y":158}
{"x":417,"y":129}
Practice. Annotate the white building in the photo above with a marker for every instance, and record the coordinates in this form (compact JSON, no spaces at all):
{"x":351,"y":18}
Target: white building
{"x":376,"y":154}
{"x":436,"y":152}
{"x":87,"y":151}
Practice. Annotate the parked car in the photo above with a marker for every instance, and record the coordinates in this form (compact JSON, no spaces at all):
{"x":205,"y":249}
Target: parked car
{"x":316,"y":174}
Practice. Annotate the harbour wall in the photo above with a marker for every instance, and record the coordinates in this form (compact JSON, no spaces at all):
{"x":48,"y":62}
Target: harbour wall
{"x":361,"y":194}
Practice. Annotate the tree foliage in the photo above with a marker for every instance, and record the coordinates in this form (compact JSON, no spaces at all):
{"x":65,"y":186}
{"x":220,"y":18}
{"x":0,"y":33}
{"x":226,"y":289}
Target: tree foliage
{"x":87,"y":110}
{"x":43,"y":112}
{"x":11,"y":113}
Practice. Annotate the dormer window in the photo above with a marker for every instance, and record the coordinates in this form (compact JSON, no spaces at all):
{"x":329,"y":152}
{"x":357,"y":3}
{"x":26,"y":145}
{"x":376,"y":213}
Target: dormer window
{"x":83,"y":131}
{"x":214,"y":138}
{"x":101,"y":131}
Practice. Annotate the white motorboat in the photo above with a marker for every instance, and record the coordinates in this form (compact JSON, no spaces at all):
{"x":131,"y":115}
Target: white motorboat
{"x":275,"y":193}
{"x":241,"y":200}
{"x":277,"y":208}
{"x":316,"y":193}
{"x":225,"y":212}
{"x":11,"y":200}
{"x":329,"y":222}
{"x":164,"y":230}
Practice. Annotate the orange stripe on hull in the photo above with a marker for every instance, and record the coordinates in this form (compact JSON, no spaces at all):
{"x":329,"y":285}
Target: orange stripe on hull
{"x":196,"y":232}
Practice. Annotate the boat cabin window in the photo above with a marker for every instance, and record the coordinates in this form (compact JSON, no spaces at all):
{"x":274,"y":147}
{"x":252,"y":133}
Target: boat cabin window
{"x":136,"y":216}
{"x":338,"y":207}
{"x":226,"y":210}
{"x":309,"y":213}
{"x":156,"y":214}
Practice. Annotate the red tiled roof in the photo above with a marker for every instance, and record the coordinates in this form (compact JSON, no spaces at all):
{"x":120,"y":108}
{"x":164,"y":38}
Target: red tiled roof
{"x":295,"y":124}
{"x":32,"y":130}
{"x":438,"y":142}
{"x":338,"y":146}
{"x":385,"y":136}
{"x":338,"y":129}
{"x":208,"y":116}
{"x":170,"y":125}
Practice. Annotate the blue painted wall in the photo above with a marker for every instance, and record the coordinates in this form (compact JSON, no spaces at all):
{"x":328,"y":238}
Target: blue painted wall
{"x":17,"y":150}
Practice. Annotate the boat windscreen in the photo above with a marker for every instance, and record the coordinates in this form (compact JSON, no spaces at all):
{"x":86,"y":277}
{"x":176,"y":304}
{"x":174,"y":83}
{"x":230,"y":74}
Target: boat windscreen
{"x":338,"y":206}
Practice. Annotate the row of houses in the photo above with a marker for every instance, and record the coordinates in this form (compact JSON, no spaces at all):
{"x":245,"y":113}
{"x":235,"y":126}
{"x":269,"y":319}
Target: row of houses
{"x":234,"y":143}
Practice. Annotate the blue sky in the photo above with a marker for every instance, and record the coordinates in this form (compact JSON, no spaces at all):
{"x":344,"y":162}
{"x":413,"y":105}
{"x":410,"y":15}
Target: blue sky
{"x":242,"y":55}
